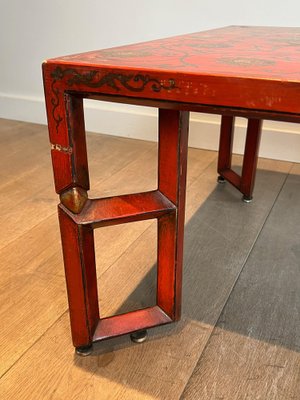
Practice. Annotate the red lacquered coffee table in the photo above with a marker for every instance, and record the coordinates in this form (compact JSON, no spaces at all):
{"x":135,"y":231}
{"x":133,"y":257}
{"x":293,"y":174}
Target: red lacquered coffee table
{"x":253,"y":72}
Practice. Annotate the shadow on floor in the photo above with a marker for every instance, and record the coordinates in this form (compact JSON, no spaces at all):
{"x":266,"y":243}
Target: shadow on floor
{"x":219,"y":256}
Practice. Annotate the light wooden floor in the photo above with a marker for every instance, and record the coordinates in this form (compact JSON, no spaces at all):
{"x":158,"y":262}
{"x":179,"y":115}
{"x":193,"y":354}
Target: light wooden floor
{"x":239,"y":337}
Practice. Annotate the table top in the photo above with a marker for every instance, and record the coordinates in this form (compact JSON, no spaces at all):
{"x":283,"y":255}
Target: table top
{"x":240,"y":51}
{"x":237,"y":66}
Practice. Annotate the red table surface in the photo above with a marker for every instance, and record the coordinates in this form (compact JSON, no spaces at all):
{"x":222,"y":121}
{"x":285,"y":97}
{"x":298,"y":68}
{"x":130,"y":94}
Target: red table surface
{"x":237,"y":66}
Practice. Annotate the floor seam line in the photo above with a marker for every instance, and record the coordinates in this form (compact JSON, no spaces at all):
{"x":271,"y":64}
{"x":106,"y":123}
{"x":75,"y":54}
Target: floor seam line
{"x":33,"y":344}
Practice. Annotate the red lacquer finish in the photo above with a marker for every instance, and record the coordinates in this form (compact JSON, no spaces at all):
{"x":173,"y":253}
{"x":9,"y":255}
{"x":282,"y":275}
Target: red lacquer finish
{"x":226,"y":142}
{"x":130,"y":322}
{"x":253,"y":72}
{"x":122,"y":209}
{"x":80,"y":270}
{"x":247,"y":67}
{"x":245,"y":182}
{"x":250,"y":156}
{"x":172,"y":161}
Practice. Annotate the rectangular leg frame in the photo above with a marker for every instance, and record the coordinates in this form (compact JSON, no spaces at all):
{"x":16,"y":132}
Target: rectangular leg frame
{"x":245,"y":182}
{"x":79,"y":215}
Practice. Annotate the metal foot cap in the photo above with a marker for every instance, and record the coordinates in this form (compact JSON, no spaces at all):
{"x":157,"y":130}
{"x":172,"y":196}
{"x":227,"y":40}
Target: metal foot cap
{"x":139,"y":337}
{"x":84,"y":351}
{"x":247,"y":199}
{"x":220,"y":179}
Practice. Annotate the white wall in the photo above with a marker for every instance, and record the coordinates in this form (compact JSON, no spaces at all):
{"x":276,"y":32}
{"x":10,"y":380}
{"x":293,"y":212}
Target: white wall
{"x":33,"y":30}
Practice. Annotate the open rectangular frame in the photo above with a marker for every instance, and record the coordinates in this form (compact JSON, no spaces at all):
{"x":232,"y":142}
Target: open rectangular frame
{"x":79,"y":216}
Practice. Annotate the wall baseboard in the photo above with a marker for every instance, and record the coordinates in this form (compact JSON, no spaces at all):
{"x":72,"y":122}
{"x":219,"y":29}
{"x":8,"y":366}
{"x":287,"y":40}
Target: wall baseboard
{"x":280,"y":141}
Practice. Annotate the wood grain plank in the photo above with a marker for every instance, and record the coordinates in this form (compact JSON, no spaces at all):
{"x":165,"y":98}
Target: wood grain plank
{"x":112,"y":156}
{"x":35,"y":302}
{"x":19,"y":147}
{"x":254,"y":351}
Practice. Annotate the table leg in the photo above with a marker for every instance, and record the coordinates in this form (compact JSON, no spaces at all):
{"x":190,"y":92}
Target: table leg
{"x":225,"y":145}
{"x":80,"y":271}
{"x":173,"y":145}
{"x":72,"y":182}
{"x":250,"y":158}
{"x":245,"y":182}
{"x":79,"y":216}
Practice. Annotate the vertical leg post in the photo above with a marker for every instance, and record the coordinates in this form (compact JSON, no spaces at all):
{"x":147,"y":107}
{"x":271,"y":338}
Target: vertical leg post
{"x":76,"y":132}
{"x":245,"y":182}
{"x":172,"y":166}
{"x":225,"y":144}
{"x":250,"y":157}
{"x":80,"y":270}
{"x":72,"y":182}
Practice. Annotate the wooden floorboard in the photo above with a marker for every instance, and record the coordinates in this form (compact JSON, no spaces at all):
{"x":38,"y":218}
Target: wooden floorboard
{"x":37,"y":359}
{"x":254,"y":351}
